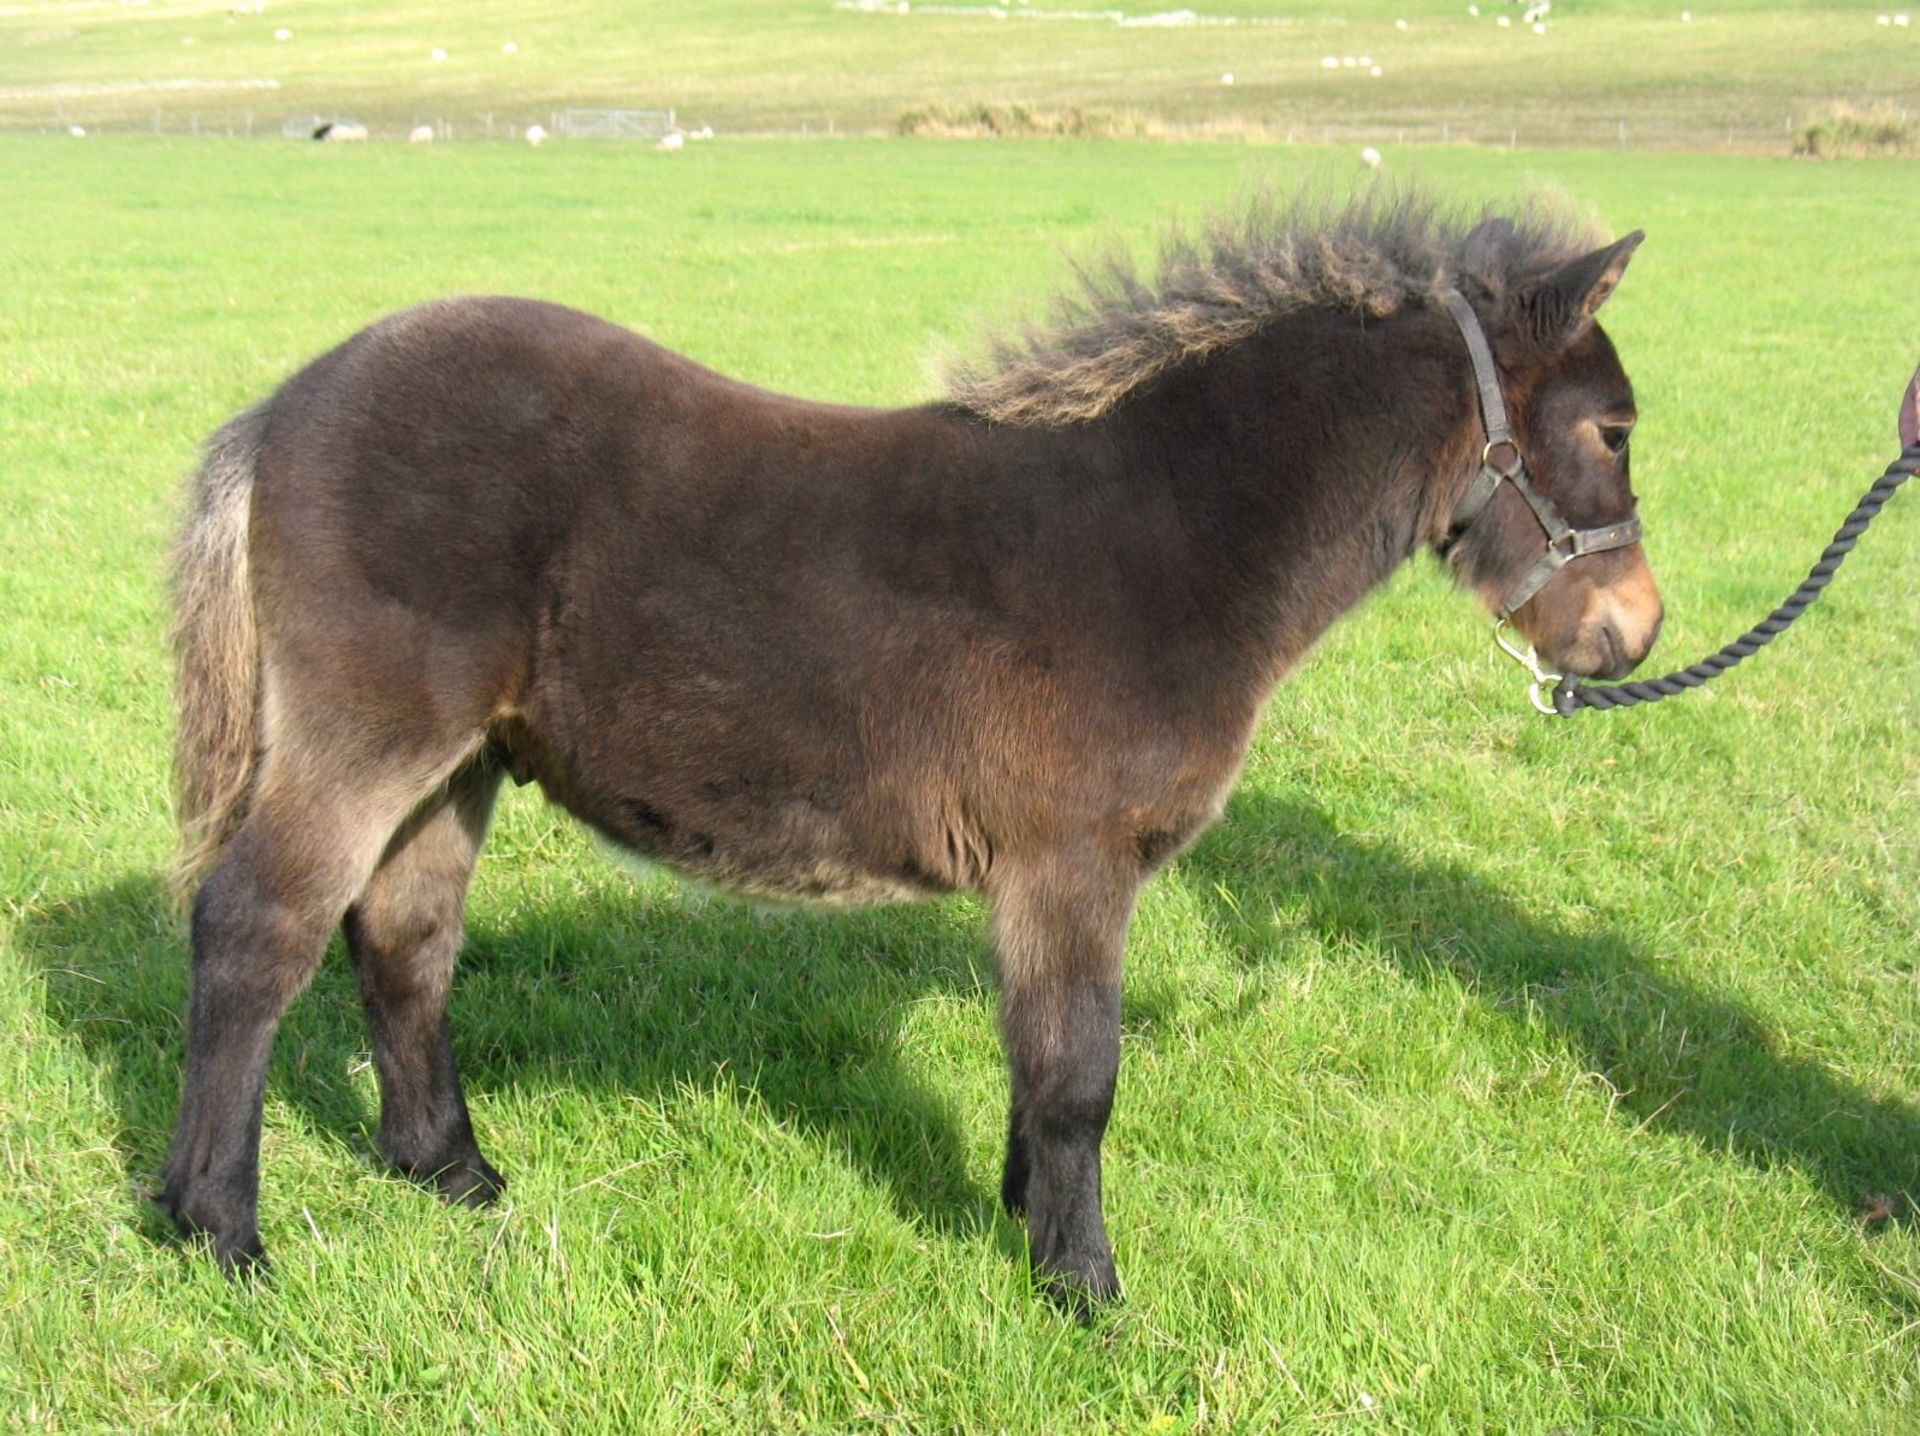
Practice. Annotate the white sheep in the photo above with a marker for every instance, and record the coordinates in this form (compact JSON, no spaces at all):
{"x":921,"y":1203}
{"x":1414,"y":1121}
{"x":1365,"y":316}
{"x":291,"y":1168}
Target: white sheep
{"x":421,"y":135}
{"x":536,"y":134}
{"x":673,"y":140}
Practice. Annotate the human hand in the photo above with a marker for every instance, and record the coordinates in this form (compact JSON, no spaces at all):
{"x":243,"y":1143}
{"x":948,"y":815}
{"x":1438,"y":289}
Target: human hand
{"x":1910,"y":414}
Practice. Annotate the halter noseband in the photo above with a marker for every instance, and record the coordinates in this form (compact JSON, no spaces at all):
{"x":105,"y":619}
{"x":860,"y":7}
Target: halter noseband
{"x":1501,"y":462}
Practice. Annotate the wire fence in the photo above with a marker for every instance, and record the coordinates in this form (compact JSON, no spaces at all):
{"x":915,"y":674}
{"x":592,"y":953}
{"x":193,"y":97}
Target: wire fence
{"x":500,"y":126}
{"x":482,"y":125}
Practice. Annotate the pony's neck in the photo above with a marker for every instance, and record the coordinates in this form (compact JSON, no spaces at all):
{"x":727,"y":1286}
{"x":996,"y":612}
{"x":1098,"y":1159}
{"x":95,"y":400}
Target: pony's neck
{"x":1309,"y":462}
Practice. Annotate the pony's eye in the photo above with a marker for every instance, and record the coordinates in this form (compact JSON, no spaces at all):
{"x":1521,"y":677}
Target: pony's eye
{"x":1614,"y":437}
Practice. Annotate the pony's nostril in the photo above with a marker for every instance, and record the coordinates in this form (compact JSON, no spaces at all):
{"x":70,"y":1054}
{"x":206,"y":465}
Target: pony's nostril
{"x":1616,"y":651}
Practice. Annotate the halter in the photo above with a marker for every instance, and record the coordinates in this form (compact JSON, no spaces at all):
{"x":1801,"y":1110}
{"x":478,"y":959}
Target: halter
{"x":1502,"y":463}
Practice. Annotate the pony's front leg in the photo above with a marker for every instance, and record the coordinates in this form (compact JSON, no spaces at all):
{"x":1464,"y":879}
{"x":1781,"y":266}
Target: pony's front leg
{"x":1060,"y":930}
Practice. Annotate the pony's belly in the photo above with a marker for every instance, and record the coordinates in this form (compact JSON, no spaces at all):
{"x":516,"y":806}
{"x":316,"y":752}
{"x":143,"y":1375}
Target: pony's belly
{"x":817,"y":865}
{"x":825,"y":884}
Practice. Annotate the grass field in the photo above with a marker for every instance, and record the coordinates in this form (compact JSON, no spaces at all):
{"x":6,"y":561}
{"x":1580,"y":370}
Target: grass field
{"x":1480,"y":1072}
{"x":1737,"y":75}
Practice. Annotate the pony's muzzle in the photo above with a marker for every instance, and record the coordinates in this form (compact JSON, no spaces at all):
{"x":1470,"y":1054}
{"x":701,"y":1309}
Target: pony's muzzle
{"x":1618,"y":628}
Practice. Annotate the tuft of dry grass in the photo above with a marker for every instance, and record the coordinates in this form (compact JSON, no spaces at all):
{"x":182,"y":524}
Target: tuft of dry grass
{"x":1847,"y":130}
{"x":983,"y":120}
{"x":980,"y":120}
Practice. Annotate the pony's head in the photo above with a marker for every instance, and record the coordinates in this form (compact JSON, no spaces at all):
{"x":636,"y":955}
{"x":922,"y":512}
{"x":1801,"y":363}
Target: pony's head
{"x":1547,"y":532}
{"x":1534,"y":288}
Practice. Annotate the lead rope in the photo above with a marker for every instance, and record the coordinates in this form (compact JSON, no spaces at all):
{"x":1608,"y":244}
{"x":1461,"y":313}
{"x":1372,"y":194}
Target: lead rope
{"x":1569,"y":697}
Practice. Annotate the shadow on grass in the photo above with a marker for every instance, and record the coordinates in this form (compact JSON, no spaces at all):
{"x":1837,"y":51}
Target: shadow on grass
{"x":646,"y":995}
{"x":1680,"y":1059}
{"x":631,"y":993}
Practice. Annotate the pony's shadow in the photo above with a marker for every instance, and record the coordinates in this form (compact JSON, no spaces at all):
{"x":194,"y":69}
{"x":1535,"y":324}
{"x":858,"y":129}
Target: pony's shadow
{"x":1676,"y":1058}
{"x":634,"y":992}
{"x":651,"y":995}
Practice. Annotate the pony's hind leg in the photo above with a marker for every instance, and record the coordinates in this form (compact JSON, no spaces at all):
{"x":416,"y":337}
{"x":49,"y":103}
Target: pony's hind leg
{"x":311,"y":839}
{"x":404,"y":933}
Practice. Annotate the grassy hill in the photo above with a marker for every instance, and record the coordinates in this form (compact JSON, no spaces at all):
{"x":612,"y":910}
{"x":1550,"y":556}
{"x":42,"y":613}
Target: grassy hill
{"x":1481,"y":1072}
{"x":1735,"y":75}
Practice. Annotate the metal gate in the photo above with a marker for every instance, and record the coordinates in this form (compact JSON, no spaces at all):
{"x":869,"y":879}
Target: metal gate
{"x":617,"y":124}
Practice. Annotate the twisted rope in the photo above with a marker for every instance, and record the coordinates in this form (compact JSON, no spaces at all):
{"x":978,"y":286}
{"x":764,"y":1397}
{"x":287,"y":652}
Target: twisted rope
{"x":1570,"y":697}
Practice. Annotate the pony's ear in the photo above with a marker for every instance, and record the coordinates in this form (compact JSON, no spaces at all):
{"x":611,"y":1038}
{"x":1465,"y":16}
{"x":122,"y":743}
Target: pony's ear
{"x":1564,"y":303}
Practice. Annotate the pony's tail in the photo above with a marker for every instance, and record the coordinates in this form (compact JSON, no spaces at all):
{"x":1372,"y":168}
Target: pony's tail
{"x":217,"y":650}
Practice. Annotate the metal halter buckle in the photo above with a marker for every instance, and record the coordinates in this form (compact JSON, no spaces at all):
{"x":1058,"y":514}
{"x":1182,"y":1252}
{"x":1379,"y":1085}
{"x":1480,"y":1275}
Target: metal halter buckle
{"x":1544,"y":679}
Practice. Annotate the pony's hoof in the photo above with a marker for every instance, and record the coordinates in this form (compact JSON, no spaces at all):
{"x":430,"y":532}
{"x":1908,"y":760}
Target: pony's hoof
{"x":1080,"y":1289}
{"x":243,"y":1262}
{"x":471,"y":1182}
{"x":463,"y":1178}
{"x":234,"y":1239}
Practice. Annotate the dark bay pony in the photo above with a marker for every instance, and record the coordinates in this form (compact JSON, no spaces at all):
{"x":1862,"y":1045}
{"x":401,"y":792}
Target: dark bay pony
{"x":1013,"y":642}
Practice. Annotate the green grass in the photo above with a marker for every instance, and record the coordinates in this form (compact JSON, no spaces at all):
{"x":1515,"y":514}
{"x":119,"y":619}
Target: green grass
{"x":1738,"y":75}
{"x":1500,"y":1073}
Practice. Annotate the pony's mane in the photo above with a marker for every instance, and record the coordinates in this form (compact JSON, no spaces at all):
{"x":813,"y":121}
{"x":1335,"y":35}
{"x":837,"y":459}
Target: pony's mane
{"x":1372,"y":254}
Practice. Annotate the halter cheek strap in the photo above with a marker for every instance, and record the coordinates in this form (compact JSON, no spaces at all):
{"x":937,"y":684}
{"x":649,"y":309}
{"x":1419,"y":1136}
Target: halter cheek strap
{"x":1502,"y":463}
